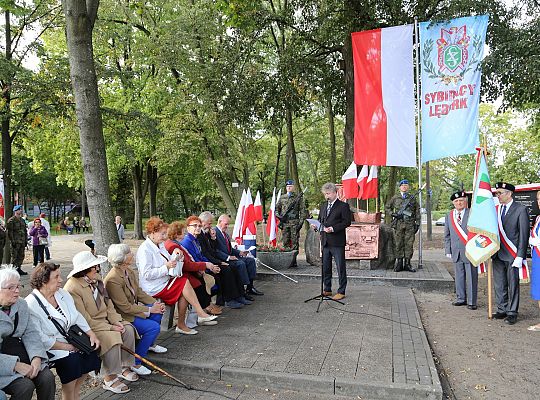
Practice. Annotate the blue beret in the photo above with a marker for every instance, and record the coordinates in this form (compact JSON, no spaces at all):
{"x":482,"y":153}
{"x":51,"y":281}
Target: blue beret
{"x":403,"y":182}
{"x":17,"y":207}
{"x":289,"y":182}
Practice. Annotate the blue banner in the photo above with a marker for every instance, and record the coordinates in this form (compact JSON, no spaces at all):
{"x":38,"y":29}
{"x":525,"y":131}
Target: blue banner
{"x":450,"y":56}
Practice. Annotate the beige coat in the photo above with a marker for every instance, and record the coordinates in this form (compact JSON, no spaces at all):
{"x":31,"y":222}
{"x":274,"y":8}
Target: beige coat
{"x":100,"y":320}
{"x":123,"y":299}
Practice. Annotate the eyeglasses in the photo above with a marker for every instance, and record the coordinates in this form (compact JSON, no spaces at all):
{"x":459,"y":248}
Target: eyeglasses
{"x":195,"y":225}
{"x":13,"y":288}
{"x":501,"y":193}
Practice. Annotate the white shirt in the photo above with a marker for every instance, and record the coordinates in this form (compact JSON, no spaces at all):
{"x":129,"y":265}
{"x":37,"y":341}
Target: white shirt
{"x":70,"y":316}
{"x":153,"y":272}
{"x":506,"y":209}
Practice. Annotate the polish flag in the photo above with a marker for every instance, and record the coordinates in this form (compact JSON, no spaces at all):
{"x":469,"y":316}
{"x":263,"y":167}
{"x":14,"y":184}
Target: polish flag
{"x":350,"y":185}
{"x":362,"y":180}
{"x":272,"y":222}
{"x":371,"y":189}
{"x":384,"y":131}
{"x":248,"y":221}
{"x":237,"y":230}
{"x":258,"y":207}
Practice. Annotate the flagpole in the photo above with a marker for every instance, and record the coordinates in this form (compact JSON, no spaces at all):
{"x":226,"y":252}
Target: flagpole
{"x":490,"y":284}
{"x":417,"y":57}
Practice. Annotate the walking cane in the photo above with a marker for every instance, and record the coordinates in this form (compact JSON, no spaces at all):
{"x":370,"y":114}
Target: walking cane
{"x":154,"y":366}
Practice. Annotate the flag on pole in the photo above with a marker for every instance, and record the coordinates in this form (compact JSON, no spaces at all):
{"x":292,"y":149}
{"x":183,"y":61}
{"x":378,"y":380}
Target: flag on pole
{"x":482,"y":225}
{"x":384,"y":129}
{"x":350,"y":185}
{"x":258,"y":207}
{"x":451,"y":53}
{"x":272,"y":221}
{"x":248,"y":221}
{"x":237,"y":229}
{"x":362,"y":180}
{"x":371,"y":189}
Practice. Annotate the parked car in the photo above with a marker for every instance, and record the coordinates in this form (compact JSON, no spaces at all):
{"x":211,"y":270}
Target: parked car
{"x":440,"y":222}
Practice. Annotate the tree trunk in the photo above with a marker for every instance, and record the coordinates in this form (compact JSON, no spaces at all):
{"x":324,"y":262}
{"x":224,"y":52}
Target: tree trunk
{"x":278,"y":159}
{"x":138,"y":199}
{"x":291,"y":151}
{"x":391,"y":190}
{"x":152,"y":179}
{"x":348,"y":132}
{"x":79,"y":25}
{"x":428,"y":204}
{"x":83,"y":202}
{"x":332,"y":132}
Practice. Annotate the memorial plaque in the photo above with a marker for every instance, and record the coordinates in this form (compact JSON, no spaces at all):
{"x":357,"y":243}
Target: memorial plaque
{"x":362,"y":242}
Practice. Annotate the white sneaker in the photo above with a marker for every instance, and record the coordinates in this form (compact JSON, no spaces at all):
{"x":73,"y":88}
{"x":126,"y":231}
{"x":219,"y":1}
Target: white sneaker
{"x":141,"y":370}
{"x":158,"y":349}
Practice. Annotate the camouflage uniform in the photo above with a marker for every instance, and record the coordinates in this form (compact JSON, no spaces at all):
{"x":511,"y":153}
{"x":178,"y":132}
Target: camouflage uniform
{"x":16,"y":229}
{"x":294,"y":219}
{"x":405,"y":228}
{"x":3,"y":236}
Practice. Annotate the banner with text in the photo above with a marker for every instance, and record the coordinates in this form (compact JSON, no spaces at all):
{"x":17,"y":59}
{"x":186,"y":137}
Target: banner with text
{"x":450,"y":55}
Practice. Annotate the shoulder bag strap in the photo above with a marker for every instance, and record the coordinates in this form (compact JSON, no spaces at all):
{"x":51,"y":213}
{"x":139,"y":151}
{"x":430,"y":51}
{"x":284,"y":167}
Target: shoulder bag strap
{"x":55,"y":322}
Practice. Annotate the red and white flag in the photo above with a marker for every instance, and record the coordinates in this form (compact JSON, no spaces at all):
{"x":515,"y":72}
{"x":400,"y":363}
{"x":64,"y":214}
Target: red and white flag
{"x":248,"y":221}
{"x":237,"y":229}
{"x":258,"y":207}
{"x":371,"y":189}
{"x":362,"y":180}
{"x":350,"y":185}
{"x":272,"y":222}
{"x":384,"y":129}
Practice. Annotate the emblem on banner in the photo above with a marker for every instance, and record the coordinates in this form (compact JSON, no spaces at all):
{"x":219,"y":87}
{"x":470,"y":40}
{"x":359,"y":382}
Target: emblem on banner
{"x":452,"y":49}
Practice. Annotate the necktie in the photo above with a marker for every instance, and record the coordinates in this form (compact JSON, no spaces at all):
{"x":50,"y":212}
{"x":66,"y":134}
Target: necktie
{"x":328,"y":208}
{"x":228,"y":240}
{"x":459,"y":217}
{"x":503,"y":212}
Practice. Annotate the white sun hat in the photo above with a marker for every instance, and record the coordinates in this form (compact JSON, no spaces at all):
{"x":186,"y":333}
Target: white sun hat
{"x":85,"y":260}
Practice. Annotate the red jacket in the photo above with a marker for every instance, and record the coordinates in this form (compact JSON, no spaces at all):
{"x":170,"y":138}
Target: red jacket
{"x":191,"y":269}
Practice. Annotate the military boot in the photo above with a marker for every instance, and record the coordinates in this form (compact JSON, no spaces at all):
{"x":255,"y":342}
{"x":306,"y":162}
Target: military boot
{"x":399,"y":265}
{"x":408,"y":266}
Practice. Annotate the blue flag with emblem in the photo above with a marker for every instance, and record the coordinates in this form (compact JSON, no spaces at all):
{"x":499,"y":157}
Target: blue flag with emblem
{"x":450,"y":56}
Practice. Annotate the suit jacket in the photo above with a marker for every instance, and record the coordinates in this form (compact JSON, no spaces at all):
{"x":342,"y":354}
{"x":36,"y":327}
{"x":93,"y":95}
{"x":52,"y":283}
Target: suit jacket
{"x":452,"y":243}
{"x":125,"y":302}
{"x":208,"y":247}
{"x":222,"y":250}
{"x":339,"y":219}
{"x":517,"y":229}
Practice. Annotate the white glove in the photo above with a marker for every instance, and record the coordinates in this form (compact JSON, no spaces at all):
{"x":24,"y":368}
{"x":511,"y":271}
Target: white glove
{"x":534,"y":241}
{"x":518,"y":262}
{"x":449,"y":255}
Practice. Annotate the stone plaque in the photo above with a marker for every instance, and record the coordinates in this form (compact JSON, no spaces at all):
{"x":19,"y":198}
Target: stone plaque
{"x":362,"y":242}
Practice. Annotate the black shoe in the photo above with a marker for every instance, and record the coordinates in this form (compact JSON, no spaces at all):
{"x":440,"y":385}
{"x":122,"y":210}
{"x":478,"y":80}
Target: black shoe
{"x":407,"y":265}
{"x":295,"y":265}
{"x":399,"y":265}
{"x":459,"y":303}
{"x":499,"y":315}
{"x":248,"y":297}
{"x":511,"y":319}
{"x":255,"y":291}
{"x":470,"y":307}
{"x":21,"y":272}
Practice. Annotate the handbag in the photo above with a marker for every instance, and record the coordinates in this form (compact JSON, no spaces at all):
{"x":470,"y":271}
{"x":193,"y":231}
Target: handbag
{"x":43,"y":241}
{"x":74,"y":335}
{"x":13,"y":346}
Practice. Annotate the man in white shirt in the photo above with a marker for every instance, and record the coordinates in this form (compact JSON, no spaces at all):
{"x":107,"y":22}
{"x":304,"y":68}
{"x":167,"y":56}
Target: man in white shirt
{"x":47,"y":226}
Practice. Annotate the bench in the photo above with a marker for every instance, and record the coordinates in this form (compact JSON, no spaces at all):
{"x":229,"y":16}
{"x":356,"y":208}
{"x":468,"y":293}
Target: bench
{"x":167,"y":322}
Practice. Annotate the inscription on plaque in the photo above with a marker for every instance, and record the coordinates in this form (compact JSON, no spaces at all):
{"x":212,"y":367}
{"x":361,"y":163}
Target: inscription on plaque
{"x":362,"y":242}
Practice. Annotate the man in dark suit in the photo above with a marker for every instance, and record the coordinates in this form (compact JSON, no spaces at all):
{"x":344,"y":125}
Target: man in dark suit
{"x":514,"y":235}
{"x":246,"y":266}
{"x":335,"y":217}
{"x":455,"y":238}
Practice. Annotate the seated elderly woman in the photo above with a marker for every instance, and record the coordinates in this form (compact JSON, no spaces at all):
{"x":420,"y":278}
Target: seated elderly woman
{"x":93,"y":302}
{"x":133,"y":304}
{"x":193,"y":268}
{"x":160,"y":277}
{"x":23,"y":359}
{"x":49,"y":299}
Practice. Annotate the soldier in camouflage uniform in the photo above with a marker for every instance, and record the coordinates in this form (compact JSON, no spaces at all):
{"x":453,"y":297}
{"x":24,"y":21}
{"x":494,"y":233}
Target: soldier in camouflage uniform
{"x":17,"y":234}
{"x":405,"y":225}
{"x":291,"y":215}
{"x":3,"y":237}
